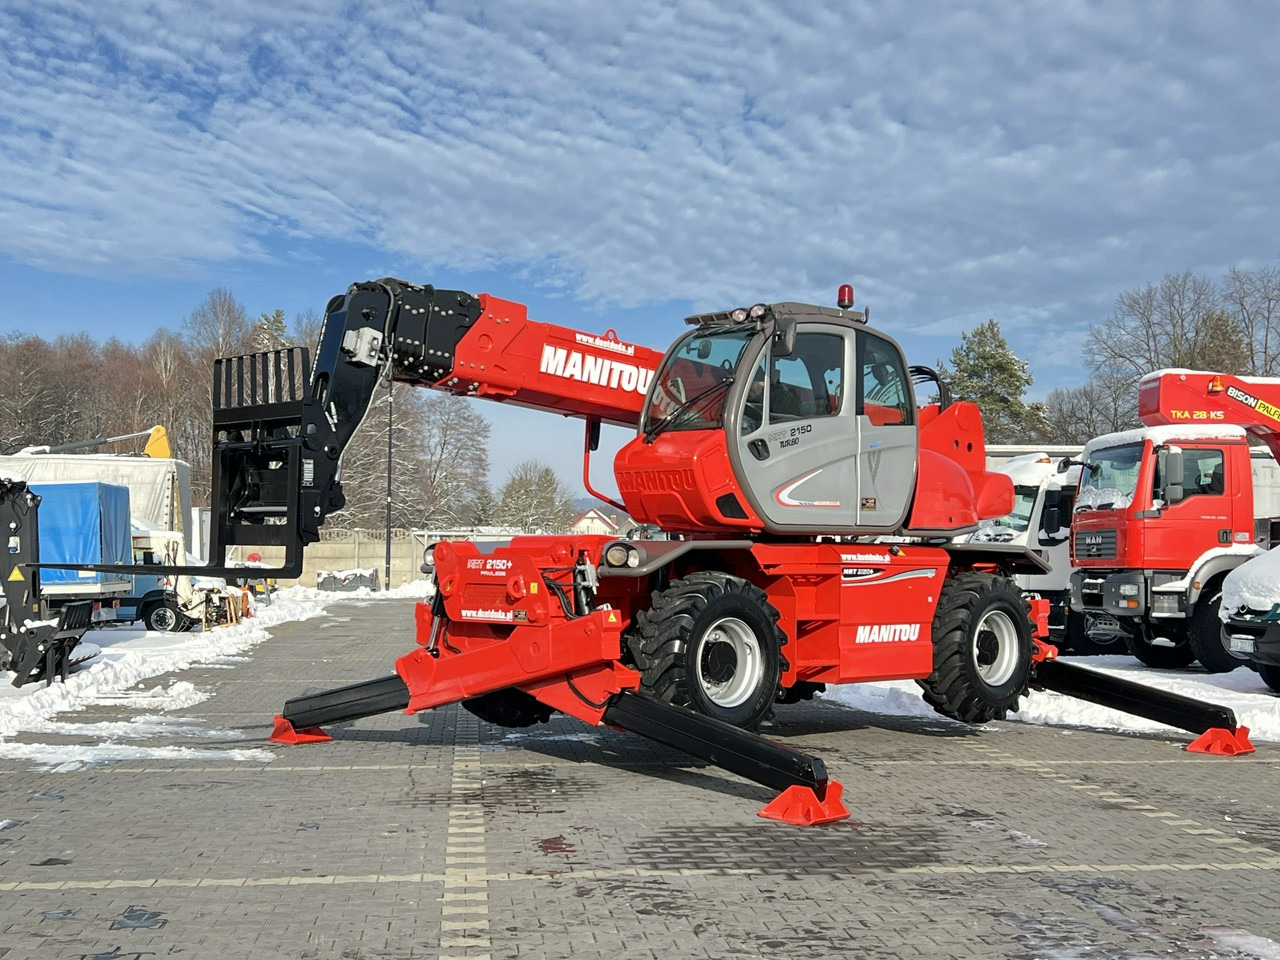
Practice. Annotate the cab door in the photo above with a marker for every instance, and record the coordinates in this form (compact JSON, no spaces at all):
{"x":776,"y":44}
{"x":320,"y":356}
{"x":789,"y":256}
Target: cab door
{"x":886,"y":432}
{"x":797,"y":433}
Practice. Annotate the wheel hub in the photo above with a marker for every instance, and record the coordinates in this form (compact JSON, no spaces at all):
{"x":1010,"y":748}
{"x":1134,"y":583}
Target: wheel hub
{"x":730,"y":664}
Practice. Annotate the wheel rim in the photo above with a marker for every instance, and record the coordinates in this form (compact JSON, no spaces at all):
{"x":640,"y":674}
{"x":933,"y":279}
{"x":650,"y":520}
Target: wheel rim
{"x":164,"y":618}
{"x":995,"y":648}
{"x":730,"y":663}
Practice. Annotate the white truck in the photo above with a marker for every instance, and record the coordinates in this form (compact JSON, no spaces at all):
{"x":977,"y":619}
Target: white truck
{"x":159,"y":508}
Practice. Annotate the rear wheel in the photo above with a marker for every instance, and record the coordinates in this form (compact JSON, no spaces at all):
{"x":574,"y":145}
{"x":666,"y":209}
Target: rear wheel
{"x":162,"y":615}
{"x":1270,"y":675}
{"x":981,"y":649}
{"x":1207,"y":639}
{"x":1173,"y":655}
{"x":711,"y":642}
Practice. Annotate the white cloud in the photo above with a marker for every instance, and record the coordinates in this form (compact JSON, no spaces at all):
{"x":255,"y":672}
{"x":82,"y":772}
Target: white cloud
{"x":1025,"y":163}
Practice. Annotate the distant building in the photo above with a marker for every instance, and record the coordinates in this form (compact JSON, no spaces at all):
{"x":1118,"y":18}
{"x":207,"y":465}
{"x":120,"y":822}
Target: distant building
{"x":596,"y":522}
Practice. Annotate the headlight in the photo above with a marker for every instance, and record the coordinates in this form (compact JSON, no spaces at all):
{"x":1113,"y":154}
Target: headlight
{"x":622,"y":555}
{"x":429,"y":556}
{"x":1128,"y":589}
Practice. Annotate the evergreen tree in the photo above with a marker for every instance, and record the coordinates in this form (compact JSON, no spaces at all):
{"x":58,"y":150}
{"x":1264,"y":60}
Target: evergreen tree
{"x":985,"y":370}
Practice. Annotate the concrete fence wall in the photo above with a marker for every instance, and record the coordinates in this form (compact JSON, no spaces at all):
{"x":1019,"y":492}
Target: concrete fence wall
{"x":350,"y":550}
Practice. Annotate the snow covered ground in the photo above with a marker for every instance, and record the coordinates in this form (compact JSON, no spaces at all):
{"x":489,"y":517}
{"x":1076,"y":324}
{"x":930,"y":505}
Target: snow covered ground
{"x":131,"y":656}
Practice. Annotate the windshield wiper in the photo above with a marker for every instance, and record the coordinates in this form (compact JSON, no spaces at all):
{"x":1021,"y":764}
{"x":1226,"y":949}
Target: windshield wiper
{"x":670,"y":418}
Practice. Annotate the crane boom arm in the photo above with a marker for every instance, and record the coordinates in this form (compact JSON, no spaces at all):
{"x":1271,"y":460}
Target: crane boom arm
{"x":281,"y":423}
{"x":1199,"y":398}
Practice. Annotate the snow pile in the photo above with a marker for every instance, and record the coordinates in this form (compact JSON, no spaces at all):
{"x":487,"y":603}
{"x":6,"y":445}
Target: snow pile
{"x":1254,"y":585}
{"x":1241,"y":690}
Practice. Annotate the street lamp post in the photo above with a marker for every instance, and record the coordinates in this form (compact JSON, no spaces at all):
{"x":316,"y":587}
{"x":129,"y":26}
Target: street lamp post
{"x":386,"y":579}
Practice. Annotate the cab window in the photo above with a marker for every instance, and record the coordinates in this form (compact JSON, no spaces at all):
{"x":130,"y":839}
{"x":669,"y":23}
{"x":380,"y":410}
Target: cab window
{"x":809,"y":382}
{"x":884,"y":397}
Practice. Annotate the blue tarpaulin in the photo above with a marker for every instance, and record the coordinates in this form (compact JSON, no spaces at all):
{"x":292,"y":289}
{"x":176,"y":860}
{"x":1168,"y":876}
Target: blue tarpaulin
{"x":83,"y":523}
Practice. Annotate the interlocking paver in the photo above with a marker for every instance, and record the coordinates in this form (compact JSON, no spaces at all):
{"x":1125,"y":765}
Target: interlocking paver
{"x":439,"y":835}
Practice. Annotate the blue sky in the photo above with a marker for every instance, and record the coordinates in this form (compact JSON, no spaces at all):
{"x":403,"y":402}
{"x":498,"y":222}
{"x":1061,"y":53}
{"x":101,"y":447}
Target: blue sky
{"x":621,"y":165}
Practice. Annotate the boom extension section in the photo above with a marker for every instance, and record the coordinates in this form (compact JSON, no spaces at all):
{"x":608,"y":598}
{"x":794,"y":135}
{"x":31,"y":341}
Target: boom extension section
{"x":280,"y":425}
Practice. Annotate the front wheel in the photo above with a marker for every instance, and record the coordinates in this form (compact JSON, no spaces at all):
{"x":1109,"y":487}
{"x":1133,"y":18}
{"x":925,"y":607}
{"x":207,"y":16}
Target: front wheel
{"x":711,"y":642}
{"x":1092,"y":644}
{"x":1140,"y":645}
{"x":981,"y":649}
{"x":1207,"y":638}
{"x":1270,"y":675}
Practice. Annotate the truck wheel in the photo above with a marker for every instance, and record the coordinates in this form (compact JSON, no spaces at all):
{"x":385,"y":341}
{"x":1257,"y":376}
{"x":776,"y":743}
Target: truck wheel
{"x":1080,"y":642}
{"x":1270,"y":675}
{"x":508,"y":708}
{"x":981,"y":649}
{"x":711,"y":642}
{"x":1205,"y":635}
{"x":1139,"y":644}
{"x":162,"y":615}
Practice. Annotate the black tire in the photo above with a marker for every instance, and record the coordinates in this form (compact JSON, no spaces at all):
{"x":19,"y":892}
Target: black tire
{"x":981,"y":649}
{"x":1270,"y":675}
{"x":162,"y":615}
{"x":508,"y":708}
{"x":1206,"y":637}
{"x":1081,"y":643}
{"x":711,"y":642}
{"x":1155,"y":655}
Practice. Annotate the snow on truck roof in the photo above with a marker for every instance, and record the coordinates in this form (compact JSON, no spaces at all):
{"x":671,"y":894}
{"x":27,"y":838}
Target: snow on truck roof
{"x":1164,"y":434}
{"x":1032,"y":469}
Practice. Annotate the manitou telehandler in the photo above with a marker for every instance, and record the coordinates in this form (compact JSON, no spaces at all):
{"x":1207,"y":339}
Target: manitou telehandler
{"x":811,"y":504}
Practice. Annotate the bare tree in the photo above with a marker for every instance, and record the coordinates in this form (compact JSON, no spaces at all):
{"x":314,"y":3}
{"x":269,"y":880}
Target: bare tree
{"x":1253,"y":299}
{"x":1180,"y":323}
{"x":534,"y":499}
{"x":455,"y":465}
{"x":1103,"y":405}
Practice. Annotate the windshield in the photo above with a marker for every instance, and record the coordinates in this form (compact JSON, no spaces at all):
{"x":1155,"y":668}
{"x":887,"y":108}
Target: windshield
{"x":1110,"y":477}
{"x":1007,"y":527}
{"x":691,"y":372}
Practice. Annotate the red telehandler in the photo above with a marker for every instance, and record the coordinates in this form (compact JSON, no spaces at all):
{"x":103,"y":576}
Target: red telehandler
{"x":812,"y":505}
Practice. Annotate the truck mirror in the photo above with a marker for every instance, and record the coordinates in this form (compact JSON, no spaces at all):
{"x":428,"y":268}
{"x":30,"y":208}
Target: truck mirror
{"x":1052,"y":498}
{"x":1052,"y":522}
{"x":1172,"y":469}
{"x":593,"y":434}
{"x":784,"y":336}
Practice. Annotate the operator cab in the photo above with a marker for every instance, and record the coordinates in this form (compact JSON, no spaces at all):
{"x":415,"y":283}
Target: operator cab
{"x":814,"y":420}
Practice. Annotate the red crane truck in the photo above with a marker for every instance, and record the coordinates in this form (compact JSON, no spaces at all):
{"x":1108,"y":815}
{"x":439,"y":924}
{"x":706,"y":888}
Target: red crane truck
{"x":811,"y":500}
{"x":1163,"y":514}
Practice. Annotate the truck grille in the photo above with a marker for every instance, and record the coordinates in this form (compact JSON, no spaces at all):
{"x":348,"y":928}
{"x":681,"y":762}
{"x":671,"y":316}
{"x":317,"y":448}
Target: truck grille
{"x":1096,"y":545}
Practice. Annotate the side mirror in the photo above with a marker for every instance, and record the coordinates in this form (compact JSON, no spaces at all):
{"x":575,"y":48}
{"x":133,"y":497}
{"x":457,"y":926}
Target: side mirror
{"x":1174,"y":491}
{"x":784,"y":336}
{"x":1052,"y":521}
{"x":593,"y":434}
{"x":704,"y":349}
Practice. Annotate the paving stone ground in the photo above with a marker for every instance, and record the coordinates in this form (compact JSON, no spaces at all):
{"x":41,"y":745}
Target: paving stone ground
{"x":438,"y":836}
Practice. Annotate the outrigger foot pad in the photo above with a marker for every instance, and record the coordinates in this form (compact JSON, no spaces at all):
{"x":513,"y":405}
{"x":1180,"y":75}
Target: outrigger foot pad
{"x":285,"y":733}
{"x":803,"y":807}
{"x":1222,"y":742}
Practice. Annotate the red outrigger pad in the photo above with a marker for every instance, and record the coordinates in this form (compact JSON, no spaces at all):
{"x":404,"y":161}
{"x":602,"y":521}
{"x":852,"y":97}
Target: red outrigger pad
{"x":1222,"y":742}
{"x":284,"y":733}
{"x":799,"y":805}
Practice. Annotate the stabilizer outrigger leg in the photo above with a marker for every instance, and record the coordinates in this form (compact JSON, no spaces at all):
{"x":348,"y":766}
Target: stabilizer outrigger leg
{"x":303,"y":717}
{"x":808,"y":796}
{"x":1216,"y":725}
